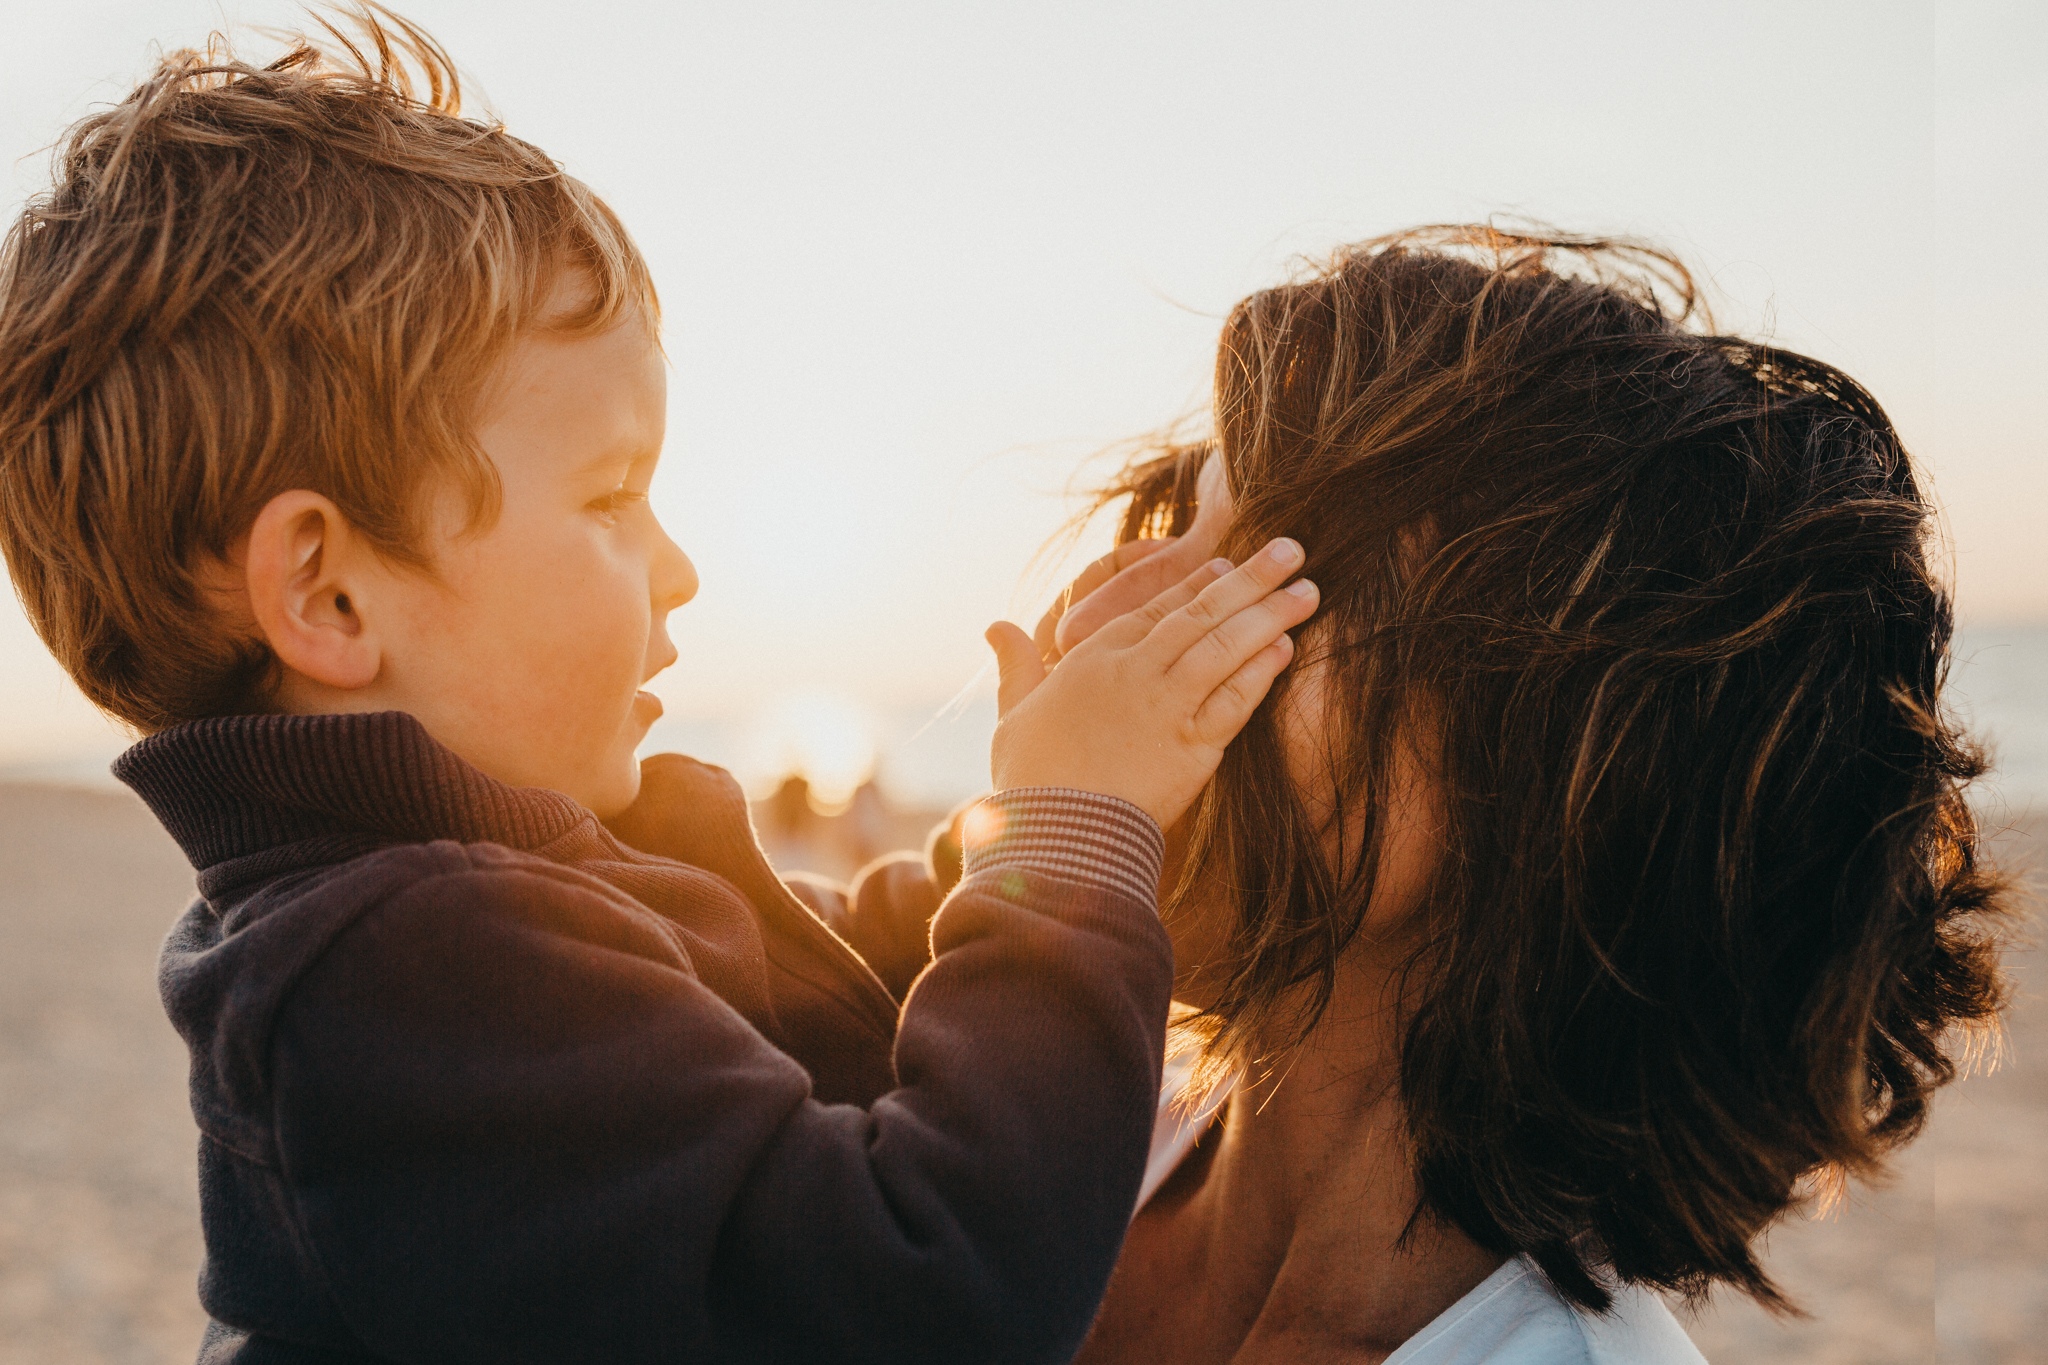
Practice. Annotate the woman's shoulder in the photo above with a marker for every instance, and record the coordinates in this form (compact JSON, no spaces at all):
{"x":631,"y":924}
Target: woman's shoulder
{"x":1514,"y":1317}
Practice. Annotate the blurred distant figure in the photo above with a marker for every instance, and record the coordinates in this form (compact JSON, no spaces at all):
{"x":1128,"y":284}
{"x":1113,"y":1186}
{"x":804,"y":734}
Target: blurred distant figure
{"x":868,"y":828}
{"x":793,"y":834}
{"x":798,"y":838}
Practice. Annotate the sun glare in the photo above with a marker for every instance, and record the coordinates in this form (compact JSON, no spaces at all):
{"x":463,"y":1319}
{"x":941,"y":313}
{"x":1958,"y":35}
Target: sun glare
{"x":820,"y":736}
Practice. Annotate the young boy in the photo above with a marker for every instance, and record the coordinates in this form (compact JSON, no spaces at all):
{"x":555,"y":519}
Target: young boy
{"x":327,"y":420}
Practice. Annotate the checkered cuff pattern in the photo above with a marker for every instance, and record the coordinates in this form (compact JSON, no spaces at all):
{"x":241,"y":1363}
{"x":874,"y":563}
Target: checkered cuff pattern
{"x":1080,"y":836}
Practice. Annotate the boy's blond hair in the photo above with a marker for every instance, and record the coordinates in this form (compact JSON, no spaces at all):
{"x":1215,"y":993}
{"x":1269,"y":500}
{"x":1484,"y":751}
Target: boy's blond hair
{"x":250,"y":280}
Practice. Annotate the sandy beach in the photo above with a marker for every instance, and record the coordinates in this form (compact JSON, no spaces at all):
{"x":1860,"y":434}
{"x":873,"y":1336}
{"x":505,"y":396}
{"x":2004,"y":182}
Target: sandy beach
{"x":99,"y":1239}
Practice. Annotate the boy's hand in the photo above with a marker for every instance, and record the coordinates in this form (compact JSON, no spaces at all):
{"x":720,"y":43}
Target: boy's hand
{"x":1136,"y":583}
{"x":1142,"y":709}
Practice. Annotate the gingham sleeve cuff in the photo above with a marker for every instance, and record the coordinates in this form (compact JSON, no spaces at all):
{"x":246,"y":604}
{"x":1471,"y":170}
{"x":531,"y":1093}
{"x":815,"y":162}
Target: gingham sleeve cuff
{"x":1080,"y":836}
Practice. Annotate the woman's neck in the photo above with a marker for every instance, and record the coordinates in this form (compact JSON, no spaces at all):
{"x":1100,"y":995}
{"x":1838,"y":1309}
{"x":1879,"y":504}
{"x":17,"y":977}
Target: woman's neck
{"x":1282,"y":1236}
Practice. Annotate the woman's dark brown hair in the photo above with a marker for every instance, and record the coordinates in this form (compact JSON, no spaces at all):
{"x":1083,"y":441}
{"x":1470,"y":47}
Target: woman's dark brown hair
{"x":1657,"y":607}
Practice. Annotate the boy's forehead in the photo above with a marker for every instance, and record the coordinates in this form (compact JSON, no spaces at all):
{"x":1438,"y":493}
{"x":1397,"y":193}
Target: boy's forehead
{"x":578,"y":399}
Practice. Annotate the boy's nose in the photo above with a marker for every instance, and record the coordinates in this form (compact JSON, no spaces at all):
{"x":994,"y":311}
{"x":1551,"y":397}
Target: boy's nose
{"x":674,"y":577}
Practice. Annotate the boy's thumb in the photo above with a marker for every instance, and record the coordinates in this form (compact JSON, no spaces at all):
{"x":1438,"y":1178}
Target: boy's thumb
{"x":1018,"y":664}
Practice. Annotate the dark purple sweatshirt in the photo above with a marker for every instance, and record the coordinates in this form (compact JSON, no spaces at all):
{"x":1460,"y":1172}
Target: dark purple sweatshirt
{"x":475,"y":1080}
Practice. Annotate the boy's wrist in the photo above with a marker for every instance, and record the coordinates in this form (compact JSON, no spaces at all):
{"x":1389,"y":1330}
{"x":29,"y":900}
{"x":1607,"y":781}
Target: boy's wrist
{"x":1083,"y":836}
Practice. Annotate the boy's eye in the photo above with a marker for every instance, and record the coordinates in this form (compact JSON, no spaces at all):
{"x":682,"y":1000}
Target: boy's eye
{"x":616,"y":501}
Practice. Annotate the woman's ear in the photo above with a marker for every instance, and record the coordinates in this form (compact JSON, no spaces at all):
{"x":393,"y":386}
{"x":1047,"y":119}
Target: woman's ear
{"x":308,"y":576}
{"x":1134,"y":580}
{"x":1214,"y":509}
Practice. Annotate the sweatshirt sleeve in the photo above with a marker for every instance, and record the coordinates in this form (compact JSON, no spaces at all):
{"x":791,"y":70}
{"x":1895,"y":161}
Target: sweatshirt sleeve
{"x":516,"y":1126}
{"x":886,"y":914}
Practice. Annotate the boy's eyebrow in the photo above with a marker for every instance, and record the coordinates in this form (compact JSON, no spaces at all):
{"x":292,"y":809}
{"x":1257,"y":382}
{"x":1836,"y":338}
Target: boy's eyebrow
{"x":627,"y":453}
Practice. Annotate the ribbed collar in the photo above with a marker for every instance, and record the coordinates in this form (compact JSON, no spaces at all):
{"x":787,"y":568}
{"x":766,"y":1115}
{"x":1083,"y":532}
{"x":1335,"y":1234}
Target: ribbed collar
{"x":235,"y":787}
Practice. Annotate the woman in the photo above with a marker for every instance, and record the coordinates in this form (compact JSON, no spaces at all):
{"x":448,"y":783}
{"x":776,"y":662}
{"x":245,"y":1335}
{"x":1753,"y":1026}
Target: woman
{"x":1598,"y":883}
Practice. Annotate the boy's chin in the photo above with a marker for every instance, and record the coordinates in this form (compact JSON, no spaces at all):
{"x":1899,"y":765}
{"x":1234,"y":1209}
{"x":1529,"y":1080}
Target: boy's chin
{"x":616,"y":790}
{"x":618,"y":785}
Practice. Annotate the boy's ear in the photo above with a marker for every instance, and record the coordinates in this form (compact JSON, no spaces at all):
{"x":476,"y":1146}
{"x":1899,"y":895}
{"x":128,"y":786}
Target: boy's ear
{"x":306,"y":572}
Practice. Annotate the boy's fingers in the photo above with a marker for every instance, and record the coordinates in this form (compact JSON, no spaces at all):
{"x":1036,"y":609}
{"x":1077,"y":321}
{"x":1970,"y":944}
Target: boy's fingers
{"x":1043,"y":639}
{"x":1136,"y":626}
{"x":1052,"y":637}
{"x":1133,"y":585}
{"x":1250,"y":582}
{"x":1020,"y":669}
{"x":1119,"y":559}
{"x":1221,"y":652}
{"x":1232,"y":703}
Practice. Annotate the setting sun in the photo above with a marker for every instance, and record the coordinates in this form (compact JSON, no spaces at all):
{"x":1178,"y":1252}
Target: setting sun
{"x":820,"y":736}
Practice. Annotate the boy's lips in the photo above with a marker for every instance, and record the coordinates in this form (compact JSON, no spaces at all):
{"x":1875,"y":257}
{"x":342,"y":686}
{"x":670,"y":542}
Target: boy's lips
{"x":646,"y":707}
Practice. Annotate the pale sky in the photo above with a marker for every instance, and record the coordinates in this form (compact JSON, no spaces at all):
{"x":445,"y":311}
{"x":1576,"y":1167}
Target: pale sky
{"x":919,"y":259}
